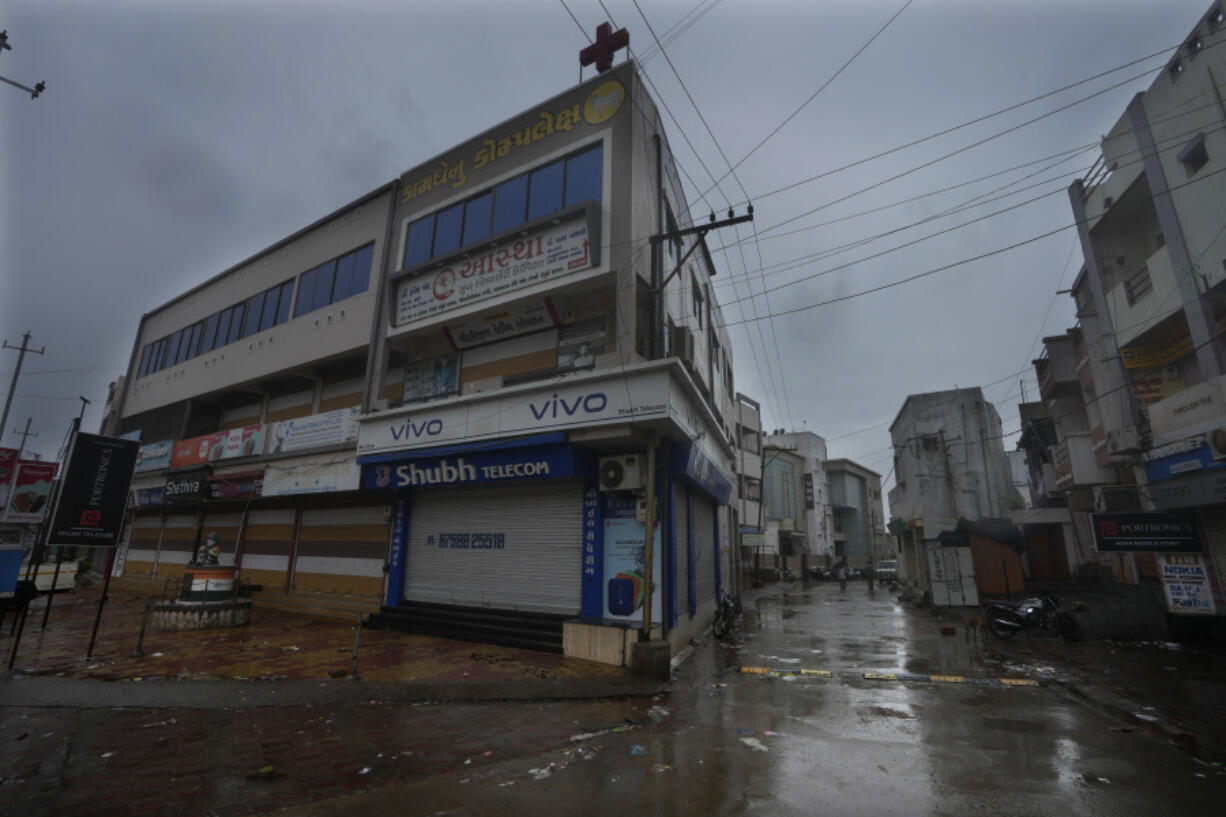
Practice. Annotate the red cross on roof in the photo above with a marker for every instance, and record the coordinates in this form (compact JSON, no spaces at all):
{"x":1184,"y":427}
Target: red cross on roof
{"x":601,"y":51}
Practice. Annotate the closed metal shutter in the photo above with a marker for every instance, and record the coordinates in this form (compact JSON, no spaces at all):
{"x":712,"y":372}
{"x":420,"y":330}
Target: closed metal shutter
{"x":704,"y":547}
{"x":682,"y":532}
{"x":1214,"y":519}
{"x":226,"y":526}
{"x":267,"y":543}
{"x":342,"y":550}
{"x":512,"y":547}
{"x":143,"y":544}
{"x":178,"y":542}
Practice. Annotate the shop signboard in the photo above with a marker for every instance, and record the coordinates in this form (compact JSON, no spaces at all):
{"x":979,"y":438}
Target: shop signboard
{"x":624,"y":399}
{"x":236,"y":486}
{"x":1146,"y":532}
{"x":186,"y":487}
{"x":29,"y":492}
{"x":329,"y":428}
{"x":150,"y":497}
{"x":154,"y":455}
{"x":514,"y":319}
{"x":314,"y":478}
{"x":551,"y":253}
{"x":8,"y":464}
{"x":431,"y":378}
{"x":1186,"y":582}
{"x":1195,"y":409}
{"x":474,"y":467}
{"x":93,"y":493}
{"x":625,"y":561}
{"x":222,"y":445}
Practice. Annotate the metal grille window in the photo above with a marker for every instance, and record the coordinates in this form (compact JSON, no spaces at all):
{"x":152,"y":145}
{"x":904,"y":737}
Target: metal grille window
{"x":1138,"y":286}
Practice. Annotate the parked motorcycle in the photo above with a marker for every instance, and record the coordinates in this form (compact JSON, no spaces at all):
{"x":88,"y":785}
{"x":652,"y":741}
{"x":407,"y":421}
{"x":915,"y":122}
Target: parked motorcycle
{"x":1005,"y":619}
{"x":725,"y":616}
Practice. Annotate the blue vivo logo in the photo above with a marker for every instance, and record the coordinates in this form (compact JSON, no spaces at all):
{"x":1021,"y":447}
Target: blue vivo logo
{"x":410,"y":429}
{"x":556,"y":406}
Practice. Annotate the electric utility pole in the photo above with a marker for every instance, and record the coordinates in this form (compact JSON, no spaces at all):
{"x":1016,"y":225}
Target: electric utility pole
{"x":24,"y":436}
{"x":21,"y":356}
{"x":33,"y":92}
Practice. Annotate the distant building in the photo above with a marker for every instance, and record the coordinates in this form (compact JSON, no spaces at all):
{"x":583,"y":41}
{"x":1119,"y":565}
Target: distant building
{"x":856,"y":513}
{"x":950,"y":467}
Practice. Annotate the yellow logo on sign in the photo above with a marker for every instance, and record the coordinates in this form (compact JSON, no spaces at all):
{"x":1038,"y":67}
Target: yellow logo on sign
{"x":603,"y":102}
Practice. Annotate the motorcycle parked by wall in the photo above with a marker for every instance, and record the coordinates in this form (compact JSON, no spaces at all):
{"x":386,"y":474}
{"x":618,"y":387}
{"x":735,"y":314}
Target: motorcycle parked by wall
{"x":1005,"y":619}
{"x":725,"y":616}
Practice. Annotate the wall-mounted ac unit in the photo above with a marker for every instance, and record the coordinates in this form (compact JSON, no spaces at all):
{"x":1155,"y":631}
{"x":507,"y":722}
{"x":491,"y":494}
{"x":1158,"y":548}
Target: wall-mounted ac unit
{"x":1217,"y":443}
{"x":683,"y":345}
{"x":1116,"y":498}
{"x":623,"y":472}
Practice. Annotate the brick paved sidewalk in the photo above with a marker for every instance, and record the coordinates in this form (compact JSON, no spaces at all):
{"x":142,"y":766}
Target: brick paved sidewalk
{"x":275,"y":645}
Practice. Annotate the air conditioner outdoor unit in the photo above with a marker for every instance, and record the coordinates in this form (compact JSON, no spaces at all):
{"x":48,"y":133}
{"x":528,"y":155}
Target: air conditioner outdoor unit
{"x":623,"y":472}
{"x":683,"y":344}
{"x":1217,"y":443}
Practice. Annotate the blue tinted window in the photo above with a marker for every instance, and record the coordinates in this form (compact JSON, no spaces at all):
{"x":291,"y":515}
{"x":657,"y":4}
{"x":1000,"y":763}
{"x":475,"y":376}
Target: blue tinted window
{"x":583,"y":175}
{"x":142,"y":369}
{"x":447,"y":229}
{"x":209,"y":342}
{"x":193,"y":341}
{"x":306,"y":292}
{"x":344,"y":278}
{"x":251,"y":324}
{"x":268,"y":319}
{"x":223,"y":327}
{"x":545,"y":190}
{"x":172,"y":348}
{"x":477,"y":218}
{"x":155,"y":356}
{"x":417,"y":245}
{"x":361,"y":269}
{"x":510,"y":200}
{"x":287,"y":293}
{"x":323,"y":285}
{"x":236,"y":322}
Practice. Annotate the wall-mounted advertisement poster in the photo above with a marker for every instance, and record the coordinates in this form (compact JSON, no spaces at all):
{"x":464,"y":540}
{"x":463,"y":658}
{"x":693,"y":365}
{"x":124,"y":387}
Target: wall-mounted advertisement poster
{"x":329,"y":428}
{"x":312,"y":479}
{"x":429,"y":379}
{"x":154,"y":455}
{"x":625,"y":562}
{"x":518,"y":319}
{"x":1186,"y":583}
{"x":579,"y":343}
{"x":8,"y":464}
{"x":29,"y":492}
{"x":222,"y":445}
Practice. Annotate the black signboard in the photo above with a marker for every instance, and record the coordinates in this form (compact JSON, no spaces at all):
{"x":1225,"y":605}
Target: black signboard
{"x":186,"y":487}
{"x":94,"y":491}
{"x":1159,"y":532}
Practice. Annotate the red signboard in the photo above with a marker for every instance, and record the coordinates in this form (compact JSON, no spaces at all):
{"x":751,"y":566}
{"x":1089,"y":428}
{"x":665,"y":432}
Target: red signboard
{"x":8,"y":462}
{"x":29,"y":491}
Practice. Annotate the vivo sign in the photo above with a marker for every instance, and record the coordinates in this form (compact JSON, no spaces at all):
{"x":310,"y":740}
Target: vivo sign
{"x":592,"y":402}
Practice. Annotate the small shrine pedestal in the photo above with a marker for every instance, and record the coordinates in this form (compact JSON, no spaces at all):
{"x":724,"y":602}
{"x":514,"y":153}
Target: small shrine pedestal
{"x":206,"y":601}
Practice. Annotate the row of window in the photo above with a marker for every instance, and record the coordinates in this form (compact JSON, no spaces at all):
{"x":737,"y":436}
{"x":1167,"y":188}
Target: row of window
{"x":326,"y":284}
{"x":527,"y":197}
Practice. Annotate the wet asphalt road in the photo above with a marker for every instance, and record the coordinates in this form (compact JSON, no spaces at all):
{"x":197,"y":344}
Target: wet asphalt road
{"x":729,"y":743}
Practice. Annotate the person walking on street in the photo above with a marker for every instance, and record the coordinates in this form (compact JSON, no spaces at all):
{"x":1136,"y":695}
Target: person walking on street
{"x":842,"y":578}
{"x":868,"y":571}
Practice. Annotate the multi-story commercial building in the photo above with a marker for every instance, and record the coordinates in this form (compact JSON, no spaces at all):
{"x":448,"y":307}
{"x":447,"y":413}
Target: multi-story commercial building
{"x":1136,"y":394}
{"x":749,"y":482}
{"x":460,"y":397}
{"x":798,"y":529}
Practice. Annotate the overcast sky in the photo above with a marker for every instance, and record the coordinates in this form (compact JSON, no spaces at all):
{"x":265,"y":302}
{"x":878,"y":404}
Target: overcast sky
{"x":177,"y":138}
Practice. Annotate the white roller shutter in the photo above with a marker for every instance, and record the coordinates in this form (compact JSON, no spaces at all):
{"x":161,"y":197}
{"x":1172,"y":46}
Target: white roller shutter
{"x":704,"y":545}
{"x":512,"y":547}
{"x":682,"y":532}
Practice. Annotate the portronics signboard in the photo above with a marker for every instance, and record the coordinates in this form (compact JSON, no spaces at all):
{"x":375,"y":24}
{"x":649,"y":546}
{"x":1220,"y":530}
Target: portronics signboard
{"x":551,"y":253}
{"x":1161,"y":532}
{"x":94,"y":491}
